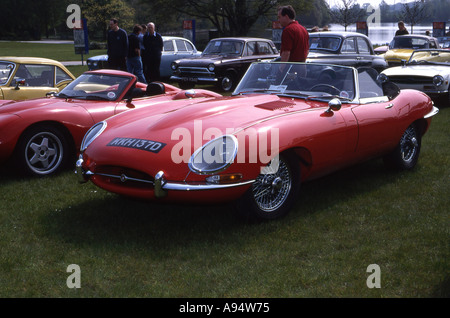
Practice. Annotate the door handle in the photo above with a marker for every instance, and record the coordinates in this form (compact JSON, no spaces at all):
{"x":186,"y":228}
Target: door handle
{"x":389,"y":106}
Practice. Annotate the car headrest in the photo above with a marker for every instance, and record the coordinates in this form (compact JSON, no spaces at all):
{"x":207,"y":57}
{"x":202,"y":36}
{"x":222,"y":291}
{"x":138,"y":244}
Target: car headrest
{"x":155,"y":88}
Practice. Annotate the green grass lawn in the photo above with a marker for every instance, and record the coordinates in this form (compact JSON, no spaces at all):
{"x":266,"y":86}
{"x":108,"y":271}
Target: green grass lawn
{"x":341,"y":224}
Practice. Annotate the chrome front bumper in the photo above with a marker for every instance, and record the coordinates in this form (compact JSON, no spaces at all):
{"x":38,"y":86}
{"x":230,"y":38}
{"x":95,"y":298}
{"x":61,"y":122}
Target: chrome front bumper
{"x":433,"y":112}
{"x":160,"y":184}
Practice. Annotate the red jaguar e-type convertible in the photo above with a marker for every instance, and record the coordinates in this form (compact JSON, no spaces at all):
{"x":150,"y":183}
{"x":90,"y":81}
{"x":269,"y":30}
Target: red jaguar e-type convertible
{"x":41,"y":136}
{"x":286,"y":123}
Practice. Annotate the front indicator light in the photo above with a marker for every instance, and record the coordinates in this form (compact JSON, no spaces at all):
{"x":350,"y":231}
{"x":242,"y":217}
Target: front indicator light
{"x":224,"y":178}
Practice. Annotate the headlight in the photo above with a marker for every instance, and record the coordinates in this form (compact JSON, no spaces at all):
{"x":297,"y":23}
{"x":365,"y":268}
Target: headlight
{"x":173,"y":65}
{"x":211,"y":67}
{"x":215,"y":156}
{"x":92,"y":133}
{"x":438,"y":80}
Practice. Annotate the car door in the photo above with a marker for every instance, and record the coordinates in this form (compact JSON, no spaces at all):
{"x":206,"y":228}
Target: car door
{"x":349,"y":53}
{"x":365,"y":56}
{"x":30,"y":81}
{"x":376,"y":116}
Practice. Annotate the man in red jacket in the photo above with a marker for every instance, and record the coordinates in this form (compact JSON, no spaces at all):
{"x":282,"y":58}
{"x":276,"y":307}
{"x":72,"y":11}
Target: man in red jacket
{"x":294,"y":39}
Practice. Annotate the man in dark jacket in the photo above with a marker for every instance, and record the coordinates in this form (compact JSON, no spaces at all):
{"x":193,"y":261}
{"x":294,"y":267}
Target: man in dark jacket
{"x":117,"y":41}
{"x":153,"y":44}
{"x":134,"y":61}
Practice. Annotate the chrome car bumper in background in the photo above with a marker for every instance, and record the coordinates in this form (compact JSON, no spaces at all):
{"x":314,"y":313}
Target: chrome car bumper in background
{"x":160,"y":184}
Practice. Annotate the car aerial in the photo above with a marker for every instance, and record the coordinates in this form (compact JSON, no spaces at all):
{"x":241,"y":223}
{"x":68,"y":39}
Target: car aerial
{"x":41,"y":136}
{"x":174,"y":48}
{"x":344,"y":48}
{"x":31,"y":77}
{"x":223,"y":62}
{"x":285,"y":123}
{"x":426,"y":70}
{"x":402,"y":46}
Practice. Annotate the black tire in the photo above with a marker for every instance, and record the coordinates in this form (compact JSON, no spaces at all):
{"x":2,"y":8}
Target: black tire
{"x":42,"y":150}
{"x":228,"y":82}
{"x":406,"y":154}
{"x":273,"y":194}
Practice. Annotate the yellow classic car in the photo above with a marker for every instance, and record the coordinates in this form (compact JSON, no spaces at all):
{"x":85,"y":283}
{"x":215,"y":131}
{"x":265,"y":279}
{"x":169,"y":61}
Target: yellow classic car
{"x":402,"y":46}
{"x":31,"y":77}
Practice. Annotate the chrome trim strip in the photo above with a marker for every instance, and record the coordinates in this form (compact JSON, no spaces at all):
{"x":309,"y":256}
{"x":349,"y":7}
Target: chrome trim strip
{"x":197,"y":187}
{"x":433,"y":112}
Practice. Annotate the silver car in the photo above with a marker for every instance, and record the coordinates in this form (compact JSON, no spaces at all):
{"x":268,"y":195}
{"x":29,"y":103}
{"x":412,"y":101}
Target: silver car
{"x":175,"y":48}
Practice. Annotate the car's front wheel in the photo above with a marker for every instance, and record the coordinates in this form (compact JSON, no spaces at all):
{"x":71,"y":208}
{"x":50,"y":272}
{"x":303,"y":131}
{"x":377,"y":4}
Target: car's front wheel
{"x":406,"y":154}
{"x":42,"y":150}
{"x":274,"y":191}
{"x":228,"y":82}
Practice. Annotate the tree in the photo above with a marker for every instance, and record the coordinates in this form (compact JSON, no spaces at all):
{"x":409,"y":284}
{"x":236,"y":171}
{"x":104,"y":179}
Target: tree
{"x":99,"y":12}
{"x":348,"y":12}
{"x":414,"y":12}
{"x":229,"y":17}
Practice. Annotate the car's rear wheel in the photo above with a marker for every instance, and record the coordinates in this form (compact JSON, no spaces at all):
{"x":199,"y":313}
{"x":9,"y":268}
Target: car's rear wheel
{"x":406,"y":154}
{"x":42,"y":150}
{"x":273,"y":193}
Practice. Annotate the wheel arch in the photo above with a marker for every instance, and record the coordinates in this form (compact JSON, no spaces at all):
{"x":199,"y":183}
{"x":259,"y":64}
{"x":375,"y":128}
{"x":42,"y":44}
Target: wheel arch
{"x":57,"y":125}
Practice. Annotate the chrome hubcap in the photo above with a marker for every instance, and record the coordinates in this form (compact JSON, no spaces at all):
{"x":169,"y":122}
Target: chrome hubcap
{"x":43,"y":153}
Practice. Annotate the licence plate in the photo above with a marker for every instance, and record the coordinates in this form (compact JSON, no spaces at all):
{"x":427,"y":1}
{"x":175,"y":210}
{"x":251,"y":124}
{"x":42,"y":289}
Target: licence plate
{"x":189,"y":79}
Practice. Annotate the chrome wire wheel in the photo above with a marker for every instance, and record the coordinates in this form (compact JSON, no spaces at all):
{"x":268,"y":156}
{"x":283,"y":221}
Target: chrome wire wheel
{"x":409,"y":145}
{"x":44,"y":153}
{"x":274,"y":191}
{"x":406,"y":154}
{"x":270,"y":190}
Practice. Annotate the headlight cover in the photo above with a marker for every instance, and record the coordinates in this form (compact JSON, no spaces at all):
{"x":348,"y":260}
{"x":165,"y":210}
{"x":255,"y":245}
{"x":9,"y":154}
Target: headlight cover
{"x":92,"y":133}
{"x":438,"y":80}
{"x":174,"y":65}
{"x":214,"y":156}
{"x":211,"y":67}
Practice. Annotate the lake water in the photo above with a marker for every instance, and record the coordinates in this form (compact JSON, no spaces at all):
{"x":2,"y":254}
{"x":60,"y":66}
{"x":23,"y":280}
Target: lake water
{"x":384,"y":32}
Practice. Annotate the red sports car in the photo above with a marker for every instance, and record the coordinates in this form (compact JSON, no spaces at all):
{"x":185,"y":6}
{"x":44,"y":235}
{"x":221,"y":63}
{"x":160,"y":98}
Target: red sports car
{"x":42,"y":135}
{"x":286,"y":123}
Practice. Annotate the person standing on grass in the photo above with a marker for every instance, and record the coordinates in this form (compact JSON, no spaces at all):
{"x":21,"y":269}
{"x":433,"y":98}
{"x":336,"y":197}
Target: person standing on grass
{"x":117,"y":41}
{"x":153,"y":44}
{"x":294,"y":39}
{"x":134,"y":61}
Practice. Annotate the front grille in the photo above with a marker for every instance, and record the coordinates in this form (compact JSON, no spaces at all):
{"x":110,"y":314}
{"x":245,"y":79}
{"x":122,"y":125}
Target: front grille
{"x":202,"y":71}
{"x":412,"y":80}
{"x":129,"y":178}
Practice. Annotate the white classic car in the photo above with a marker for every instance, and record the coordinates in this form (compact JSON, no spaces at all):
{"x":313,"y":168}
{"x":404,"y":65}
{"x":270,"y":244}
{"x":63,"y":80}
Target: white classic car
{"x":426,"y":70}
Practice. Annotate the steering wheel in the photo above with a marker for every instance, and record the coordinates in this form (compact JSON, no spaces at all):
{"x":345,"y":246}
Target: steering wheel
{"x":327,"y":86}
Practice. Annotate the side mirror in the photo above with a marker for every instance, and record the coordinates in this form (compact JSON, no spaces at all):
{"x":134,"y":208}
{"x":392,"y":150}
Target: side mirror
{"x":334,"y":105}
{"x":19,"y":81}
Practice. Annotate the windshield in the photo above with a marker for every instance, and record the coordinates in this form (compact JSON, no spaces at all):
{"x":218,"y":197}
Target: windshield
{"x":406,"y":42}
{"x":95,"y":87}
{"x":224,"y":47}
{"x":432,"y":57}
{"x":299,"y":80}
{"x":6,"y":69}
{"x":328,"y":43}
